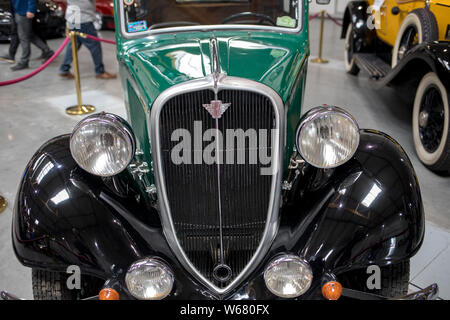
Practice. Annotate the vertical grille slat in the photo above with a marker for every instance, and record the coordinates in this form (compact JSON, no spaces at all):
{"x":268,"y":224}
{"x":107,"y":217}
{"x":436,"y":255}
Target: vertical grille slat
{"x":192,"y":189}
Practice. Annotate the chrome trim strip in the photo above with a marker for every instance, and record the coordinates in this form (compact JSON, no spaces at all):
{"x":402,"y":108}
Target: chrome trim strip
{"x":272,"y":220}
{"x":235,"y":27}
{"x":215,"y":72}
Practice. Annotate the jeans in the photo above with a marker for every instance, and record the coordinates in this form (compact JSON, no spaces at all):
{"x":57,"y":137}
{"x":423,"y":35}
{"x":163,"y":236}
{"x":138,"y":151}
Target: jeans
{"x":14,"y":43}
{"x":93,"y":46}
{"x":26,"y":37}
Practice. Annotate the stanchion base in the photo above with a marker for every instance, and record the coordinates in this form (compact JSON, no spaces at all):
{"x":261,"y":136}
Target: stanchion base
{"x":319,"y":60}
{"x":2,"y":204}
{"x":80,"y":110}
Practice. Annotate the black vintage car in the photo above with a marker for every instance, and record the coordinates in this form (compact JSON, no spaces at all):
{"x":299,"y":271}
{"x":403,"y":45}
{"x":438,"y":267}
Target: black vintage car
{"x":216,"y":187}
{"x":48,"y":23}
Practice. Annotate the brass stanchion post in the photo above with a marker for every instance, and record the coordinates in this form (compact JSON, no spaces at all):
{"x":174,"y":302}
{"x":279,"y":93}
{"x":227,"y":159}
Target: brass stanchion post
{"x":2,"y":204}
{"x":80,"y":108}
{"x":319,"y":58}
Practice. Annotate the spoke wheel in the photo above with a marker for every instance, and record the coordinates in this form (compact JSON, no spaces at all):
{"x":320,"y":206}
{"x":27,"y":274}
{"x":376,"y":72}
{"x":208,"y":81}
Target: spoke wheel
{"x":350,"y":46}
{"x":419,"y":26}
{"x":408,"y":40}
{"x":431,"y":120}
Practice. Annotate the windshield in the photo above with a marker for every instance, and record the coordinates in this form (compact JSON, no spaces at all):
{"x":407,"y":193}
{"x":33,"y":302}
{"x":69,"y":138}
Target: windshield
{"x":149,"y":15}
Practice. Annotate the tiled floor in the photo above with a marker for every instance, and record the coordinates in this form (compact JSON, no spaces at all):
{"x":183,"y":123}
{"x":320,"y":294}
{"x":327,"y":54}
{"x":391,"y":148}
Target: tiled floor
{"x":33,"y":112}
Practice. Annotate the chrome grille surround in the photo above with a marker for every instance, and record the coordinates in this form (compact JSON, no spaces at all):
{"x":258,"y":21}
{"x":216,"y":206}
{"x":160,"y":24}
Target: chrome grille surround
{"x":216,"y":83}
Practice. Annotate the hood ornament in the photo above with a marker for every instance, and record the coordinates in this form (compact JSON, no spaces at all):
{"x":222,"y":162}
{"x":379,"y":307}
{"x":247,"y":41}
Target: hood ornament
{"x":216,"y":108}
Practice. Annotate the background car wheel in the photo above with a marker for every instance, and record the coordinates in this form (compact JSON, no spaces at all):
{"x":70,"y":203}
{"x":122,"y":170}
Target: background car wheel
{"x":430,"y":123}
{"x":394,"y":280}
{"x":49,"y":285}
{"x":419,"y":26}
{"x":350,"y":65}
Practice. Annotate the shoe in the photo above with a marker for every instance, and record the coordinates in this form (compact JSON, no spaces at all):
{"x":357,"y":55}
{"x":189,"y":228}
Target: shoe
{"x":7,"y":58}
{"x":19,"y":67}
{"x":67,"y":75}
{"x":47,"y":55}
{"x":106,"y":75}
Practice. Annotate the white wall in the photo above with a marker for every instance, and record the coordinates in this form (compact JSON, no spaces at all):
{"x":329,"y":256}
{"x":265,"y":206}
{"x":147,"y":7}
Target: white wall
{"x":336,"y":8}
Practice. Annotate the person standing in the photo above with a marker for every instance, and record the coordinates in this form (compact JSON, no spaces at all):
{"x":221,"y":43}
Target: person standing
{"x":14,"y":38}
{"x":80,"y":16}
{"x":24,"y":13}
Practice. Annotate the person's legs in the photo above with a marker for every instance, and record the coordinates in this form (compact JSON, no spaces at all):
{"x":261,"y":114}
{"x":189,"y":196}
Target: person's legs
{"x":14,"y":44}
{"x":24,"y":31}
{"x":65,"y":66}
{"x":38,"y":40}
{"x":94,"y":47}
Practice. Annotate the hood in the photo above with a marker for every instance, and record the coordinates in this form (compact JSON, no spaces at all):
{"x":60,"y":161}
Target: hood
{"x":269,"y":58}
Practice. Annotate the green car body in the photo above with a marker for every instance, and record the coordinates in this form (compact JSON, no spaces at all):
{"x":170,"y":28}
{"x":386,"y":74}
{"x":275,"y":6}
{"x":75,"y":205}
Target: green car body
{"x":148,"y":66}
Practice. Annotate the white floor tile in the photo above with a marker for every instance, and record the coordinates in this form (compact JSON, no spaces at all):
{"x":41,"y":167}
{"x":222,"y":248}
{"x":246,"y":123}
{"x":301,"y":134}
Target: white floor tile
{"x":435,"y":242}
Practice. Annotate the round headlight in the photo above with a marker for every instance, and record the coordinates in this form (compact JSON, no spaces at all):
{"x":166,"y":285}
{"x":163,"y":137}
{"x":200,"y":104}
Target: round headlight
{"x":327,"y":137}
{"x":102,"y":144}
{"x":149,"y":279}
{"x":288,"y":276}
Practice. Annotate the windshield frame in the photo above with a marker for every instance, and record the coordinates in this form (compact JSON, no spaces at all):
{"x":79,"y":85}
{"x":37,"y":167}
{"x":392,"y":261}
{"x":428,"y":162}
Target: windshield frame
{"x":202,"y":28}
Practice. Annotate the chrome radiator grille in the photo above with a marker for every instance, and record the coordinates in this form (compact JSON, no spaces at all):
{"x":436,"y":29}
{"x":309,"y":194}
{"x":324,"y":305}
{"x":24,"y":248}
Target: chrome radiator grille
{"x":197,"y":194}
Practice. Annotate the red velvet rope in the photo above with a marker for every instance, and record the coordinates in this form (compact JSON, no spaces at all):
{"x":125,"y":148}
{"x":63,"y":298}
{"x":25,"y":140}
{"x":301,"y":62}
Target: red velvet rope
{"x":334,"y":20}
{"x":42,"y":67}
{"x":314,"y":16}
{"x":98,"y":39}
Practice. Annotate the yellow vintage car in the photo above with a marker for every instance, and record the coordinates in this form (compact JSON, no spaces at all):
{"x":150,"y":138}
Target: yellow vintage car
{"x":405,"y":44}
{"x":398,"y":25}
{"x":405,"y":23}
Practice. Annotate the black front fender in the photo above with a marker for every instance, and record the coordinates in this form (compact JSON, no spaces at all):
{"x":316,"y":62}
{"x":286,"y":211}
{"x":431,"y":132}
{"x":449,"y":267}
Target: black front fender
{"x":355,"y":13}
{"x":65,"y":216}
{"x":367,"y":211}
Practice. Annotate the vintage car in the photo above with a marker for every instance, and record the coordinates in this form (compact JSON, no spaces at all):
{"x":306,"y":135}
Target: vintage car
{"x":48,"y":23}
{"x":5,"y":24}
{"x":398,"y":24}
{"x":216,"y":187}
{"x":105,"y":11}
{"x":421,"y":65}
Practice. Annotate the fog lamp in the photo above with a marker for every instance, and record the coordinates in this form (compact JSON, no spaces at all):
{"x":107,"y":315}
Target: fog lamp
{"x":327,"y":137}
{"x":288,"y":276}
{"x":102,"y":144}
{"x":149,"y":279}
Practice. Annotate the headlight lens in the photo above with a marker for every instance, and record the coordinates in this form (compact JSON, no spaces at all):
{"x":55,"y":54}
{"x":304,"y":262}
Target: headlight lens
{"x":102,"y":144}
{"x":149,"y":279}
{"x":288,"y":276}
{"x":327,"y":137}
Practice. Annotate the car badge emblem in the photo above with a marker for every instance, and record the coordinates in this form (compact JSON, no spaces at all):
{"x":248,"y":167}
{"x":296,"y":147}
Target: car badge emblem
{"x":216,"y":108}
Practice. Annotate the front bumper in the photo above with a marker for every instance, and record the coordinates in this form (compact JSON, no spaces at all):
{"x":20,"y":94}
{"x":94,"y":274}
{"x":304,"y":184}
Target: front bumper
{"x":429,"y":293}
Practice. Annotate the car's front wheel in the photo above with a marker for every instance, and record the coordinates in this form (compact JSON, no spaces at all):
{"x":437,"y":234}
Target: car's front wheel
{"x":48,"y":285}
{"x":430,"y":123}
{"x":350,"y":65}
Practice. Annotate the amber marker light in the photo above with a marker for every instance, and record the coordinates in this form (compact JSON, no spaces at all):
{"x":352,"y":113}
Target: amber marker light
{"x":108,"y":294}
{"x":332,"y":290}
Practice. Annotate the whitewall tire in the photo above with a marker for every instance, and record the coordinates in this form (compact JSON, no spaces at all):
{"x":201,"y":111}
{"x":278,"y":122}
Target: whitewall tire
{"x":430,"y":123}
{"x":425,"y":26}
{"x":350,"y":65}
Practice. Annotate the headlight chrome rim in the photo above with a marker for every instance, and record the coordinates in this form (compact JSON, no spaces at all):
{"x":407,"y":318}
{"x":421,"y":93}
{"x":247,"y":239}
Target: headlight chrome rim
{"x":154,"y":262}
{"x":318,"y":112}
{"x":119,"y":124}
{"x":288,"y":258}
